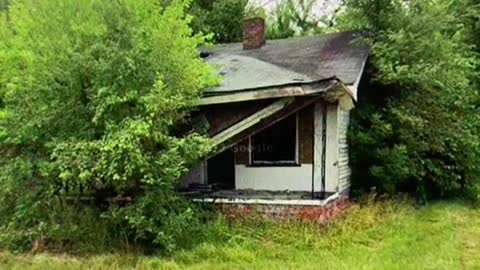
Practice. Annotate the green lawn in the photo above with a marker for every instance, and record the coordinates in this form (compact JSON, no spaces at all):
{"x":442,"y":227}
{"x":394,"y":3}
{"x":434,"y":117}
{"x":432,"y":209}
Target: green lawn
{"x":376,"y":236}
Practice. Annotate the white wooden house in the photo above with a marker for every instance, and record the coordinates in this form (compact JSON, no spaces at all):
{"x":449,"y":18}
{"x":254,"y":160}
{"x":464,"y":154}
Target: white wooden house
{"x":280,"y":118}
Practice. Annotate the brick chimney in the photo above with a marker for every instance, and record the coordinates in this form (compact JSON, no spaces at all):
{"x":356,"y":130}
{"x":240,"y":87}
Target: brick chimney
{"x":253,"y":33}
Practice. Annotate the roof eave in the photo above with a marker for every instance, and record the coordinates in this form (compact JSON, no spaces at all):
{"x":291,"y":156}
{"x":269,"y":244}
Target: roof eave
{"x":241,"y":95}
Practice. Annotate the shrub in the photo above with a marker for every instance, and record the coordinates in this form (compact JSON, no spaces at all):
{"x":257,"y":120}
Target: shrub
{"x":92,"y":94}
{"x":416,"y":127}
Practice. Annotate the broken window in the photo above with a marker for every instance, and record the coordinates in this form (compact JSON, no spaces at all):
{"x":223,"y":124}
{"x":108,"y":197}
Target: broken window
{"x":276,"y":144}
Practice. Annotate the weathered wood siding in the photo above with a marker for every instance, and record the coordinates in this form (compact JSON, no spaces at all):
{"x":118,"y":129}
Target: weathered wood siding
{"x":242,"y":154}
{"x":337,"y":170}
{"x":344,"y":170}
{"x":305,"y":135}
{"x":318,"y":145}
{"x":223,"y":116}
{"x":331,"y":160}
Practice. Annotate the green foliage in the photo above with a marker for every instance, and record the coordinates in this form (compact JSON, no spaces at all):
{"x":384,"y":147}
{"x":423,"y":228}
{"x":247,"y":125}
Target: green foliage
{"x":417,"y":125}
{"x":92,"y":94}
{"x":224,"y":18}
{"x":4,"y":4}
{"x":375,"y":235}
{"x":160,"y":220}
{"x":291,"y":18}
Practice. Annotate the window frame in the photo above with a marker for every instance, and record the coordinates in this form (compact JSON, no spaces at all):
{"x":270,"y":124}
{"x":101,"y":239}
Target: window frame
{"x":278,"y":163}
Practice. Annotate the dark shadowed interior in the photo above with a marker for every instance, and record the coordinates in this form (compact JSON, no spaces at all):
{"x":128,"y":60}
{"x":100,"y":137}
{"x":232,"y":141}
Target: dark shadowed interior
{"x":276,"y":144}
{"x":221,"y":170}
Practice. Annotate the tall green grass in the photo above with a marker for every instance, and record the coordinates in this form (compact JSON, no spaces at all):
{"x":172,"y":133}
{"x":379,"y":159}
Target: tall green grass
{"x":390,"y":234}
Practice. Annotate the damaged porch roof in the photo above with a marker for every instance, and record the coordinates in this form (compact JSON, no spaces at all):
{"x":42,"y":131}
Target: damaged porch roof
{"x":289,"y":62}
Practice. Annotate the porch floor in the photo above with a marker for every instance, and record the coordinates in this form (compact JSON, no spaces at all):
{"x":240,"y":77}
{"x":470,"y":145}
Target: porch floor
{"x":263,"y":195}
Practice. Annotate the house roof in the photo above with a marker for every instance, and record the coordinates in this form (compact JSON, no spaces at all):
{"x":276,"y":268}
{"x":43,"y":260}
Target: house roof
{"x":294,"y":61}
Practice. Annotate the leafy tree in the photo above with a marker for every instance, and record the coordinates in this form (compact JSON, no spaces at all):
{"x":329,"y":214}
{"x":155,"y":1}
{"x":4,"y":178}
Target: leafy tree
{"x":93,"y":93}
{"x":4,"y":4}
{"x":291,"y":18}
{"x":417,"y":125}
{"x":280,"y":22}
{"x":224,"y":18}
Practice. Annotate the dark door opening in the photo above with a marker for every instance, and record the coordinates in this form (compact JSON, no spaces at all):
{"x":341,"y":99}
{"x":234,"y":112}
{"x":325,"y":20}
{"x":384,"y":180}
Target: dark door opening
{"x":221,"y":170}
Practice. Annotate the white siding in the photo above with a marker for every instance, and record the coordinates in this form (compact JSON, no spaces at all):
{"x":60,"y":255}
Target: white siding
{"x":331,"y":162}
{"x":337,"y":170}
{"x":343,"y":164}
{"x":295,"y":178}
{"x":318,"y":144}
{"x":336,"y":174}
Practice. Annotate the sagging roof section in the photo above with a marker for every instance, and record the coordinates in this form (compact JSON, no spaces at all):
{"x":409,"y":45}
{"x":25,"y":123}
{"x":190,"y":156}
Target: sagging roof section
{"x":236,"y":68}
{"x":288,"y":62}
{"x":310,"y":88}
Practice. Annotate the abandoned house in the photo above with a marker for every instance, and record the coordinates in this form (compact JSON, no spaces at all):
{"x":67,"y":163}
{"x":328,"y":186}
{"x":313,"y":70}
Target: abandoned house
{"x":279,"y":119}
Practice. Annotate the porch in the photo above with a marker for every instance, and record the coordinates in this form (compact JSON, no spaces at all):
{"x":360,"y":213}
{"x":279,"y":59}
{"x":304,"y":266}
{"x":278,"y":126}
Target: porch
{"x":290,"y":157}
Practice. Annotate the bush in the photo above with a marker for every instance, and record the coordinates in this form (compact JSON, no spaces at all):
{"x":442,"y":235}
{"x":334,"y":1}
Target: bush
{"x":92,"y":95}
{"x":417,"y":124}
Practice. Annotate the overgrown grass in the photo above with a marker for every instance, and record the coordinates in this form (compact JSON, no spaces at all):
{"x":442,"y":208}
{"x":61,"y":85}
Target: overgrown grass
{"x":381,"y":235}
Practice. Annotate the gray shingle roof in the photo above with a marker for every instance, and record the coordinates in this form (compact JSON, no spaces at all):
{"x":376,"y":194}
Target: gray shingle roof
{"x":289,"y":61}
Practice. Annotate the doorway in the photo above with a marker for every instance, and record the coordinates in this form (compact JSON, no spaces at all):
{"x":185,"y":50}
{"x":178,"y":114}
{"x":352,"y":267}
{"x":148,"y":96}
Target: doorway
{"x":221,"y":170}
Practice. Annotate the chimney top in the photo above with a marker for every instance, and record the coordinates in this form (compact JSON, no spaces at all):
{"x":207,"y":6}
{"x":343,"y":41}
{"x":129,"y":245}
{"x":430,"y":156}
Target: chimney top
{"x":253,"y":33}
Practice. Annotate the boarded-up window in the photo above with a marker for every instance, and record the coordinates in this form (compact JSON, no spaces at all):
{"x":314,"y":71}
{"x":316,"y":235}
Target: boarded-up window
{"x":276,"y":144}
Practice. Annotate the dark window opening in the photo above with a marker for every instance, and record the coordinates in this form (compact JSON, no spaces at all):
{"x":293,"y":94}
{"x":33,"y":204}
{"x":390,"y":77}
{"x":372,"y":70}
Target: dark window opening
{"x":276,"y":144}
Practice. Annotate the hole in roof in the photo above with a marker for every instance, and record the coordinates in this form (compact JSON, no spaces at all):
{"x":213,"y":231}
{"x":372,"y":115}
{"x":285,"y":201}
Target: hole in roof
{"x":298,"y":79}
